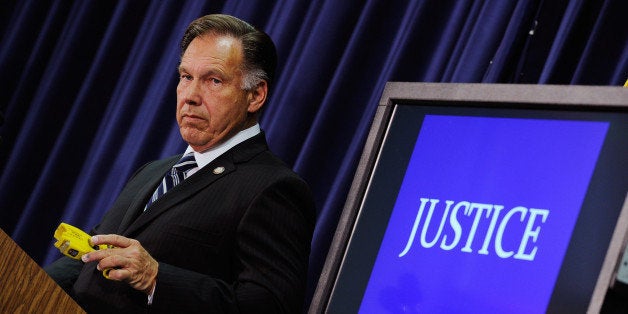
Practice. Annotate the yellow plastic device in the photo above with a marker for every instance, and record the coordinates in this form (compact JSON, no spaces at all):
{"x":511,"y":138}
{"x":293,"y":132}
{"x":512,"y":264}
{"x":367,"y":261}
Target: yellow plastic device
{"x":74,"y":242}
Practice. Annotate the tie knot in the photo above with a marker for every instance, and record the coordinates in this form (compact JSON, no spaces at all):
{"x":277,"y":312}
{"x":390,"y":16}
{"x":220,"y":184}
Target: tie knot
{"x":186,"y":162}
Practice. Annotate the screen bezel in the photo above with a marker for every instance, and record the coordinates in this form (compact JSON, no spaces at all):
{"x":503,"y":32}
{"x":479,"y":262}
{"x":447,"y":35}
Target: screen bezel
{"x":571,"y":98}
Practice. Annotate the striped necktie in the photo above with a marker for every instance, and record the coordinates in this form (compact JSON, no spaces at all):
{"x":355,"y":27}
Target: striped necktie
{"x":174,"y":176}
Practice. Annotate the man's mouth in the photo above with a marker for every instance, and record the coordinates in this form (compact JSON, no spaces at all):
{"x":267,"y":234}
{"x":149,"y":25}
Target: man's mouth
{"x":192,"y":117}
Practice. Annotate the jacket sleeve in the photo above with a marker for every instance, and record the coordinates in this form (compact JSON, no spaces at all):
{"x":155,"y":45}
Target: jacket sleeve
{"x":64,"y":272}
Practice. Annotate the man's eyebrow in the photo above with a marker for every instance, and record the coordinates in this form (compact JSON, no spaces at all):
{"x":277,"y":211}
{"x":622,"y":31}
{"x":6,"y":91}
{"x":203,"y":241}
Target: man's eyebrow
{"x":206,"y":72}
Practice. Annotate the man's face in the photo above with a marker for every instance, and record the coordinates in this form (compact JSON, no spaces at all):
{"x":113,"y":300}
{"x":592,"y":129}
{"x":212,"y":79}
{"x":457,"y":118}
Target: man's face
{"x":211,"y":106}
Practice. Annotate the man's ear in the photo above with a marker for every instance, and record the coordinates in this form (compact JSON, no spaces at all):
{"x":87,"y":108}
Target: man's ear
{"x":257,"y":97}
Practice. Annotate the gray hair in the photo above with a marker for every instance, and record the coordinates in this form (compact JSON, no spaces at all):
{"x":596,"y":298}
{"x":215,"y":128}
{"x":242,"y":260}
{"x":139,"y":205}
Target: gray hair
{"x":258,"y":49}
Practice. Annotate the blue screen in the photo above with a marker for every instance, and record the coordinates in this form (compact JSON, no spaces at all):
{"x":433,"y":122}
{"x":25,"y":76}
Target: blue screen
{"x":484,"y":215}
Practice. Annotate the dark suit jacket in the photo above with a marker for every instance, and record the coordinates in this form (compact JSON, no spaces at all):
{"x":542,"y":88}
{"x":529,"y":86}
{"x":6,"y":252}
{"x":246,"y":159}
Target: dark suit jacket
{"x":235,"y":241}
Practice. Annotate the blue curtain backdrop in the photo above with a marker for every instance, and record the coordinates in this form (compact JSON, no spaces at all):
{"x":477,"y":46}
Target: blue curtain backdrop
{"x":87,"y":87}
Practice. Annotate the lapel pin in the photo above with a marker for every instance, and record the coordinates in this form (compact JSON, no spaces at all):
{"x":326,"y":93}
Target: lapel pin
{"x":219,"y":170}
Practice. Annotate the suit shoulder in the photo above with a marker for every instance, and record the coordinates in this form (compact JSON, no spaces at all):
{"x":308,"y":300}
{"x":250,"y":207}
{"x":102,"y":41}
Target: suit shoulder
{"x":269,"y":163}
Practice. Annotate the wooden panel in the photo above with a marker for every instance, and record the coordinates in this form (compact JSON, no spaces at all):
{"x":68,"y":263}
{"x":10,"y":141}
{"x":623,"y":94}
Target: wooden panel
{"x":25,"y":287}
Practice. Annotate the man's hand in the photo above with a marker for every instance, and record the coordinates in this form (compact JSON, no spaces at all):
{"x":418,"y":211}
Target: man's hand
{"x":128,"y":261}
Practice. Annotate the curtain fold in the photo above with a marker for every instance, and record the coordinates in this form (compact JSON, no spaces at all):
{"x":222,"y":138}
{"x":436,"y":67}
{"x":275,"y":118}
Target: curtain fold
{"x":595,"y":61}
{"x":88,"y":87}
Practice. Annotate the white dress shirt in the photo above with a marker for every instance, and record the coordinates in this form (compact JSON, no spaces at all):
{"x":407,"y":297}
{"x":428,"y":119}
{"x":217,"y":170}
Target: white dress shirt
{"x":204,"y":158}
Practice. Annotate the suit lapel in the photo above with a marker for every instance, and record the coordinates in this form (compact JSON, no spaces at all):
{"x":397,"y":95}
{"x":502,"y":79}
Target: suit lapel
{"x":192,"y":185}
{"x":147,"y":189}
{"x":178,"y":194}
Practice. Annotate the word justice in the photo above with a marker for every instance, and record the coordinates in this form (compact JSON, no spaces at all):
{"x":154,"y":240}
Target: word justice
{"x":495,"y":232}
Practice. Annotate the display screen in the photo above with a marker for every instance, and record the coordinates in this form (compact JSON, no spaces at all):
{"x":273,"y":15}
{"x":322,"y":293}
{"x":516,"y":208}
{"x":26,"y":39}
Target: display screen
{"x":480,"y":210}
{"x":485,"y":202}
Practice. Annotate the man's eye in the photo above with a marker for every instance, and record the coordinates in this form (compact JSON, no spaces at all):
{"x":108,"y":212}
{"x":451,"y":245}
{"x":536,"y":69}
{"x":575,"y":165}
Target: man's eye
{"x":215,"y":81}
{"x":185,"y":77}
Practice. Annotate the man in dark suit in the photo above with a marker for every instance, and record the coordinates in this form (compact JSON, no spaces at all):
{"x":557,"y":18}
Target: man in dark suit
{"x":234,"y":235}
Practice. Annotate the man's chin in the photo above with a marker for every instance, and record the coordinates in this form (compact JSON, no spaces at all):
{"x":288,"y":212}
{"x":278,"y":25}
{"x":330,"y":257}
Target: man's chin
{"x":193,"y":137}
{"x":199,"y":146}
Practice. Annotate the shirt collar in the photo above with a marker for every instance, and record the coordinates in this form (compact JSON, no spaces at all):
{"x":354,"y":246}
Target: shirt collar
{"x":204,"y":158}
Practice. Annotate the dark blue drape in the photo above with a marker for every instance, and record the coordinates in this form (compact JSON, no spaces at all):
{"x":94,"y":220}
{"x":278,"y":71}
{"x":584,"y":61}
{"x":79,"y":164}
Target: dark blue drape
{"x":87,"y":87}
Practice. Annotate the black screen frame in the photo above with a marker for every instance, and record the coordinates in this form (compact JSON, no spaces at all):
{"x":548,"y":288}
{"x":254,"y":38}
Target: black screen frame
{"x":538,"y":97}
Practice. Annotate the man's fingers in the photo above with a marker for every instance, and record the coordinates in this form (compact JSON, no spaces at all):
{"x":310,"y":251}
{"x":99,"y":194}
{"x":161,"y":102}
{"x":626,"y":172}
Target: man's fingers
{"x":111,"y":239}
{"x":113,"y":261}
{"x":127,"y":261}
{"x":118,"y":274}
{"x":98,"y":255}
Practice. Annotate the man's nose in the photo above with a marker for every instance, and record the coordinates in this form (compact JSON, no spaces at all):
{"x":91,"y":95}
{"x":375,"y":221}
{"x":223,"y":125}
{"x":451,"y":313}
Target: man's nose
{"x":193,"y":93}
